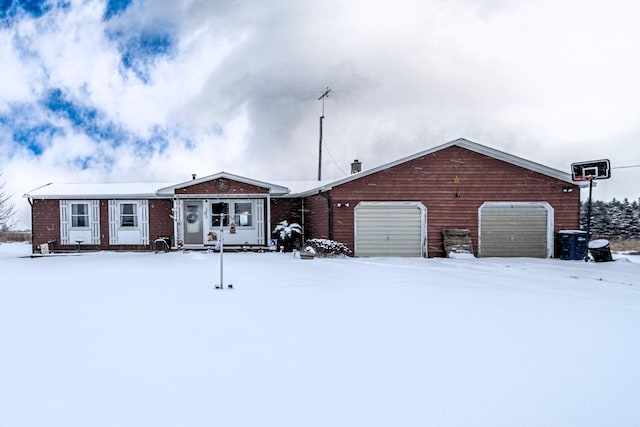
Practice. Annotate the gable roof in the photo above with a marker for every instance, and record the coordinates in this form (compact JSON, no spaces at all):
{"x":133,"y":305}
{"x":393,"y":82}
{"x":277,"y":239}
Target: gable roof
{"x":460,"y":142}
{"x":136,"y":190}
{"x":299,"y":188}
{"x":273,"y":188}
{"x":129,"y":190}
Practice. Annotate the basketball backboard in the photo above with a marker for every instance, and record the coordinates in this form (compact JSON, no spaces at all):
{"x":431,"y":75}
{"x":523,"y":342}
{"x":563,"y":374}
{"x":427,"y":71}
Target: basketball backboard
{"x":595,"y":169}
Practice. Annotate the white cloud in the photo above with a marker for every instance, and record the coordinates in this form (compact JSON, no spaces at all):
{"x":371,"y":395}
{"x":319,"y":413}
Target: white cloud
{"x":551,"y":81}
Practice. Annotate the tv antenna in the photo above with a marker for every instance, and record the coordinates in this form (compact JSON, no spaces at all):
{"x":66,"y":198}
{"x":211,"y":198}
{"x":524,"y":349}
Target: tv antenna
{"x":322,"y":97}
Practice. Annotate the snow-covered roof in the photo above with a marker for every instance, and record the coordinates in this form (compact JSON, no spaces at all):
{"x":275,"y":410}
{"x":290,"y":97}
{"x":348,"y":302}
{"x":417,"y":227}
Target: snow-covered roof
{"x":283,"y":188}
{"x":129,"y":190}
{"x":298,"y":187}
{"x":273,"y":188}
{"x":97,"y":190}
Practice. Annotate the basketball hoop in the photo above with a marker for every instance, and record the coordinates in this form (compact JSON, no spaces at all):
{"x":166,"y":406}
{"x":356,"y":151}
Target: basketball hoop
{"x":589,"y":171}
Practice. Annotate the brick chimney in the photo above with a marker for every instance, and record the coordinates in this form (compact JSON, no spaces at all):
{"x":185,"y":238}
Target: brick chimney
{"x":356,"y":166}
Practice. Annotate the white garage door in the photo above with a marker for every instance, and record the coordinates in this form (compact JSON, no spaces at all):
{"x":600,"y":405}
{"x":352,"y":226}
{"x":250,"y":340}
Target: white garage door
{"x":519,"y":229}
{"x":390,"y":229}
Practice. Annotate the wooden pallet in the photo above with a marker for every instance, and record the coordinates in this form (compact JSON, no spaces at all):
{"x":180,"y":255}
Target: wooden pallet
{"x":457,"y":240}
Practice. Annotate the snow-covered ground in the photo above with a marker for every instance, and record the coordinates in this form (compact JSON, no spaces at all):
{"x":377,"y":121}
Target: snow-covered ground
{"x":138,"y":339}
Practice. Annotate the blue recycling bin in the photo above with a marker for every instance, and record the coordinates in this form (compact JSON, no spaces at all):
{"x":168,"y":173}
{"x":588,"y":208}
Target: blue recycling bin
{"x":574,"y":244}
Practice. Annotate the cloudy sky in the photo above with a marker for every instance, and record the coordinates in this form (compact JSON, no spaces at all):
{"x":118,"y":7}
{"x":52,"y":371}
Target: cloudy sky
{"x":155,"y":90}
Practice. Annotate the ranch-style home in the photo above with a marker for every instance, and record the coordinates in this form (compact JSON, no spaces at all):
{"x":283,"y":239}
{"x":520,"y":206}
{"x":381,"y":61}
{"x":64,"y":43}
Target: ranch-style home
{"x":510,"y":207}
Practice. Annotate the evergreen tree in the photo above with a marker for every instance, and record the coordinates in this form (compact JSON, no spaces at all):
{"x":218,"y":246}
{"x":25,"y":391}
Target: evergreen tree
{"x":612,"y":220}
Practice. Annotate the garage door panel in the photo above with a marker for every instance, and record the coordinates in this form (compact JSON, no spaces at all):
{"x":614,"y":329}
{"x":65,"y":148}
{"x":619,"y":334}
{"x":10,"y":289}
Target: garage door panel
{"x":389,"y":230}
{"x":515,"y":230}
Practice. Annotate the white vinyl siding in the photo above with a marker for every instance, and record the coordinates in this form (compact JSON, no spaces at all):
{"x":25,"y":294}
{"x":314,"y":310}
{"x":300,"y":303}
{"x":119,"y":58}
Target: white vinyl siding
{"x":199,"y":221}
{"x":390,"y":229}
{"x":128,"y":222}
{"x":518,"y":229}
{"x":80,"y":222}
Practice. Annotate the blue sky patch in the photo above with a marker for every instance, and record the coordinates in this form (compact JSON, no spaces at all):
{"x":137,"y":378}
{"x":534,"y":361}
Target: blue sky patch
{"x":115,"y":7}
{"x":85,"y":119}
{"x":31,"y":134}
{"x":82,"y":162}
{"x":33,"y":8}
{"x":156,"y":143}
{"x":36,"y":137}
{"x":218,"y":129}
{"x":56,"y":102}
{"x":139,"y":52}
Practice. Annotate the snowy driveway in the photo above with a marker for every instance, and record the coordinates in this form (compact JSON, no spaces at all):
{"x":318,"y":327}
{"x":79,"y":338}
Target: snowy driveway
{"x":137,"y":339}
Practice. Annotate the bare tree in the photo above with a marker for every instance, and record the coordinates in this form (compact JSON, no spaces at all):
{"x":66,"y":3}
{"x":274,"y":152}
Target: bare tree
{"x":7,"y":209}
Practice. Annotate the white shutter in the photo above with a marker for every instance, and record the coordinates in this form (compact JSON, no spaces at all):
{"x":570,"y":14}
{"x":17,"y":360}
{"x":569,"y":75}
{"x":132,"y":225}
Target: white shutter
{"x":113,"y":222}
{"x":177,"y":219}
{"x":260,"y":220}
{"x":95,"y":222}
{"x":144,"y":220}
{"x":64,"y":222}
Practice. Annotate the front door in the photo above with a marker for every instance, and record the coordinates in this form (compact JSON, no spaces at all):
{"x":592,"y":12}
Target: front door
{"x":193,"y":223}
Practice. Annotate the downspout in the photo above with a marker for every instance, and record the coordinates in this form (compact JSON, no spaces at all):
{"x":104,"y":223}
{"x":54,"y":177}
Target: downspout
{"x":268,"y":236}
{"x":33,"y":247}
{"x":302,"y":216}
{"x":330,"y":206}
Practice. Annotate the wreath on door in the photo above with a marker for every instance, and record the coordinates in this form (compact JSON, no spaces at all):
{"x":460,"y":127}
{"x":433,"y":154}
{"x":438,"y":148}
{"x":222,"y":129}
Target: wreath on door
{"x":192,"y":217}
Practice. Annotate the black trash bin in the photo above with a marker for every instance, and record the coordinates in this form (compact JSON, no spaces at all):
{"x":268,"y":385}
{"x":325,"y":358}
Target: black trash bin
{"x":600,"y":250}
{"x":574,"y":244}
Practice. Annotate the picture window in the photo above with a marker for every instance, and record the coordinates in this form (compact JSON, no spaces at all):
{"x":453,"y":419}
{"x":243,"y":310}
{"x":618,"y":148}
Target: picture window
{"x":80,"y":215}
{"x":128,"y":215}
{"x":219,"y":211}
{"x":243,"y":214}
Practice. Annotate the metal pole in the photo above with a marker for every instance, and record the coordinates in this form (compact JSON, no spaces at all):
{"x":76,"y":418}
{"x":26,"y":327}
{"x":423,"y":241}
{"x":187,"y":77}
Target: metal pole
{"x":586,"y":258}
{"x":221,"y":252}
{"x":320,"y":152}
{"x":321,"y":98}
{"x":589,"y":207}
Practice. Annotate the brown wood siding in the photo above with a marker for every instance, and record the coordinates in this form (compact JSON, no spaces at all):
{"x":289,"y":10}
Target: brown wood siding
{"x":434,"y":180}
{"x":160,"y":220}
{"x":289,"y":210}
{"x":104,"y":224}
{"x":286,"y":209}
{"x":317,"y":218}
{"x":45,"y":223}
{"x":222,"y":186}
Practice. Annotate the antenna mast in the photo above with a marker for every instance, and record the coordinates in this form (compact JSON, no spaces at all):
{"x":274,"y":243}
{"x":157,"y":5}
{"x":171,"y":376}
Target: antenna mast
{"x":324,"y":95}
